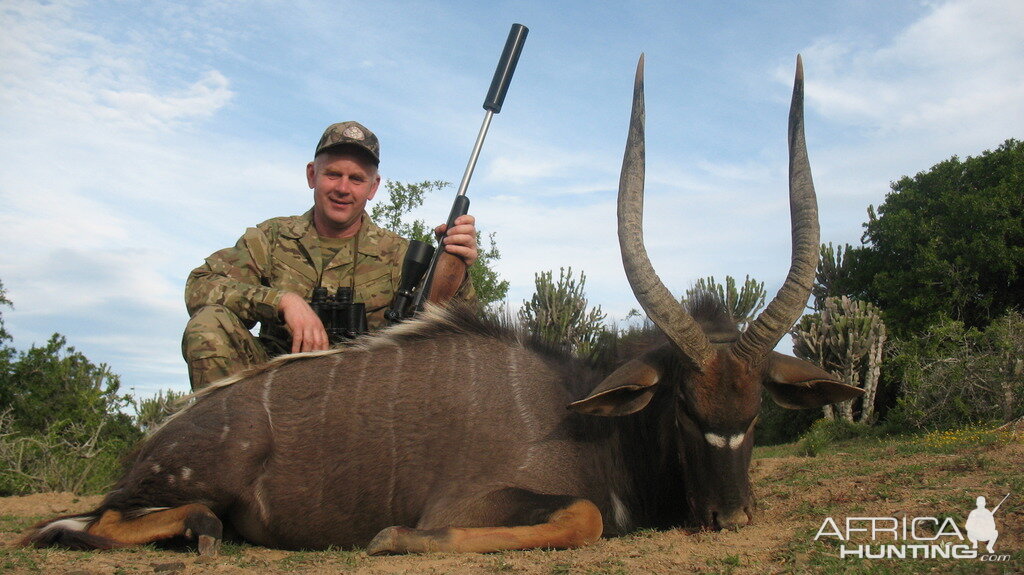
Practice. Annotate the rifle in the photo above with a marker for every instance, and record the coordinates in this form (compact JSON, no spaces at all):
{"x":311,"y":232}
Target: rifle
{"x":445,"y":272}
{"x":1000,"y":504}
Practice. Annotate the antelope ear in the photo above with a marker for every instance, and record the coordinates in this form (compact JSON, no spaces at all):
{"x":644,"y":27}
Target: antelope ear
{"x":627,"y":390}
{"x":797,"y":384}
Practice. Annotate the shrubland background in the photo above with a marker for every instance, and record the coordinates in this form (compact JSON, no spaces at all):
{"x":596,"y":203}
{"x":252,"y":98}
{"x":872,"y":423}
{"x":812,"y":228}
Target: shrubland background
{"x":925,"y":315}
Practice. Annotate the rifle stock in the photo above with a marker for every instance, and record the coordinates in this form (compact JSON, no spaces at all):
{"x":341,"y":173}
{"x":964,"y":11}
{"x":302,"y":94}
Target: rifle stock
{"x":448,"y":277}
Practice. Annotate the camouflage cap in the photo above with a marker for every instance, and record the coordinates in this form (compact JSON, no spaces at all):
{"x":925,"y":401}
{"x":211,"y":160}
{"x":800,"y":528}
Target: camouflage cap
{"x":349,"y":134}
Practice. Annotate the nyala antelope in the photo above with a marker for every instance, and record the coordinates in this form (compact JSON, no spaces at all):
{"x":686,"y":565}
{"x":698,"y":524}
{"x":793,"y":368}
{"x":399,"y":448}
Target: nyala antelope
{"x":447,"y":433}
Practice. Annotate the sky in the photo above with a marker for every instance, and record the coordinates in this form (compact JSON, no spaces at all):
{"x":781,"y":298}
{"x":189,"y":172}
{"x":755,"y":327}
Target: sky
{"x":138,"y":137}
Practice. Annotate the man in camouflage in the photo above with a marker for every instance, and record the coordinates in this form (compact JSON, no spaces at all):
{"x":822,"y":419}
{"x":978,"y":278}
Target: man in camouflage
{"x":269,"y":275}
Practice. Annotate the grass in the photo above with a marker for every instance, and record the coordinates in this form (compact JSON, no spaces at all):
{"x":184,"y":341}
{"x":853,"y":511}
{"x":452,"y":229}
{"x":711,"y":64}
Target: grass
{"x":936,"y":473}
{"x":15,"y":523}
{"x":726,"y":565}
{"x":299,"y":559}
{"x":500,"y":564}
{"x":912,"y":462}
{"x":26,"y":560}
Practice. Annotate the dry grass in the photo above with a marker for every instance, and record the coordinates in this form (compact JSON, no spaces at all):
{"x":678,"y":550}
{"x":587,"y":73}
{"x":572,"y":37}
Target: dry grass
{"x":938,"y":474}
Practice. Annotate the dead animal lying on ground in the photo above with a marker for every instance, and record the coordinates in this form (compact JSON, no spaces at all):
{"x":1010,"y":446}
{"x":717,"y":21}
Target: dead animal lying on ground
{"x":450,"y":434}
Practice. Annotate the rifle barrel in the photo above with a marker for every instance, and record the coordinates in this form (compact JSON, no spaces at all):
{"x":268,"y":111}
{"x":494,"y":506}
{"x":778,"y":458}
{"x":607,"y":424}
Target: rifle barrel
{"x":492,"y":104}
{"x":1000,"y":504}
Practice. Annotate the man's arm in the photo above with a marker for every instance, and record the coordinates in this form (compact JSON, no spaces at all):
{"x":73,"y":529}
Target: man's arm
{"x":460,"y":242}
{"x":234,"y":278}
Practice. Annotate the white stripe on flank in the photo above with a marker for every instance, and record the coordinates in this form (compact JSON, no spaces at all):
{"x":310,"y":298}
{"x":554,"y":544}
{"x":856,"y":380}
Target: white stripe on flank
{"x":266,"y":397}
{"x":329,"y":388}
{"x":392,"y":436}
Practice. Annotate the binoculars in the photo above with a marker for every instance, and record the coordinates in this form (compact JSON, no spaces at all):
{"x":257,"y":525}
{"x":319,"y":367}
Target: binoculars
{"x":342,"y":318}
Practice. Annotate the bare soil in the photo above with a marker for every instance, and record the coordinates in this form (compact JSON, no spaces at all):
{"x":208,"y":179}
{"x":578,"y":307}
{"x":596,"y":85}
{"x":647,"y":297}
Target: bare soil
{"x":863,"y":478}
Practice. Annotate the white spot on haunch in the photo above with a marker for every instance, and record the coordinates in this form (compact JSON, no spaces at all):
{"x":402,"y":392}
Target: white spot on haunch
{"x":186,"y":473}
{"x":171,"y":479}
{"x":156,"y":468}
{"x":224,"y":432}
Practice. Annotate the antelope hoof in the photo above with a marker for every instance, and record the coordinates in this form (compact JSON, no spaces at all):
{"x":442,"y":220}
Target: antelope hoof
{"x":207,"y":530}
{"x":385,"y":542}
{"x":209,"y":546}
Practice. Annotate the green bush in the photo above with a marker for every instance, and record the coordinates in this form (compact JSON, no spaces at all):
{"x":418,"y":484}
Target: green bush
{"x":558,"y":314}
{"x":776,"y":424}
{"x":952,"y":375}
{"x":62,"y":425}
{"x":826,"y":432}
{"x":151,"y":412}
{"x":64,"y":457}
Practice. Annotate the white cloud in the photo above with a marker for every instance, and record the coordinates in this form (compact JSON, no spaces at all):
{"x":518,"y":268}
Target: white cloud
{"x":947,"y":84}
{"x":99,"y":183}
{"x":949,"y":70}
{"x":137,"y":142}
{"x":200,"y":100}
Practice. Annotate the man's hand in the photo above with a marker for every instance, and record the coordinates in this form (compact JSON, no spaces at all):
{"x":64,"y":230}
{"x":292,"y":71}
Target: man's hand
{"x":308,"y":333}
{"x":461,"y":239}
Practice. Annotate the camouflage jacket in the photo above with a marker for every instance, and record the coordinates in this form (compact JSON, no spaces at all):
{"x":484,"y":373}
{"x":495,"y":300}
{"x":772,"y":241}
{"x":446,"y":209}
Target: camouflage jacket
{"x":283,"y":255}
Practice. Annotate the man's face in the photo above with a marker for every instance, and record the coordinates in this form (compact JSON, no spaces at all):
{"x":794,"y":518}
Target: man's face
{"x":342,"y":182}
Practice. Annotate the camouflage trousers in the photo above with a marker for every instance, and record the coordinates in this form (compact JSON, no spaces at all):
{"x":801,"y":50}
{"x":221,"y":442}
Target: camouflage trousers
{"x":216,"y":345}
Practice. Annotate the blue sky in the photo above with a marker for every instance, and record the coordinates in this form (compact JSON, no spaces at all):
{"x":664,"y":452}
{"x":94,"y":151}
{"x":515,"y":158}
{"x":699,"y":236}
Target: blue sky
{"x":136,"y":138}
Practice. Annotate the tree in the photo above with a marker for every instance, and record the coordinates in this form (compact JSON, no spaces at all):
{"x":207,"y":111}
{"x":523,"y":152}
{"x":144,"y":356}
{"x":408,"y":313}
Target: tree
{"x":403,"y":198}
{"x":6,"y":352}
{"x":743,"y":304}
{"x":948,"y":242}
{"x":55,"y":384}
{"x":557,"y":313}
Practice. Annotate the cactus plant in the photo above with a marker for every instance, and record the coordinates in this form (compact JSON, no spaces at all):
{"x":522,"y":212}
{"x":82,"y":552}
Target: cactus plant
{"x":743,"y":304}
{"x":847,"y":338}
{"x":558,"y":314}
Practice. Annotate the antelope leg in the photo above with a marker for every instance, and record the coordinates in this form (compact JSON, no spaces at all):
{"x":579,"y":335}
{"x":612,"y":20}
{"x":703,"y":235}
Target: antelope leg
{"x":194,"y":521}
{"x":574,"y":523}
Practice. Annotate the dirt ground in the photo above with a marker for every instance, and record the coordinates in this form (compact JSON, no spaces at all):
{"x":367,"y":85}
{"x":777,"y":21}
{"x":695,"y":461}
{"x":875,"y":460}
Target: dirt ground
{"x":930,"y":476}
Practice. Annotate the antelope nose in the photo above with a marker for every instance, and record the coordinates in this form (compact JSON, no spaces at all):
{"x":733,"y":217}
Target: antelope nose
{"x":732,"y":520}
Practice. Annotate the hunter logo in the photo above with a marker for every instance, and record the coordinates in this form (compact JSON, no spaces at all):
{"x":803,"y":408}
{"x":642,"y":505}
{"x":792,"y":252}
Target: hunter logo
{"x":916,"y":537}
{"x":981,"y":524}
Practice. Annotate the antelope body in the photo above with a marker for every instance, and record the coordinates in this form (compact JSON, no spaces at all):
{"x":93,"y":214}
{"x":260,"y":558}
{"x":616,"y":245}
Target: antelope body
{"x":447,"y":433}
